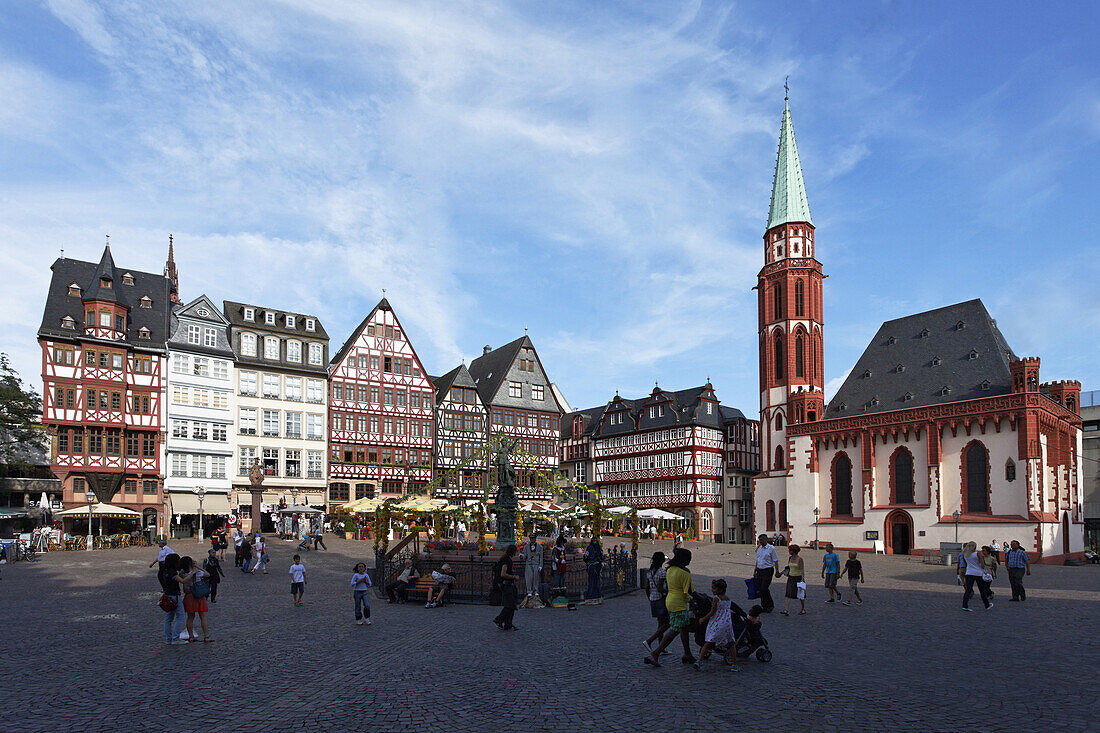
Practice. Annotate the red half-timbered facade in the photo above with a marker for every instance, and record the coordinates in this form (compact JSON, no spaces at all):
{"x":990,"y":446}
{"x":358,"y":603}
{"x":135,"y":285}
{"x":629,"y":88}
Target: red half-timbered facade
{"x":103,"y":353}
{"x":380,"y":413}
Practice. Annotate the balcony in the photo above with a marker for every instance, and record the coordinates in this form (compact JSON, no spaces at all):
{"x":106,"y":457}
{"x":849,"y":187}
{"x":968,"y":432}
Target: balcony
{"x":295,"y":435}
{"x":313,"y":473}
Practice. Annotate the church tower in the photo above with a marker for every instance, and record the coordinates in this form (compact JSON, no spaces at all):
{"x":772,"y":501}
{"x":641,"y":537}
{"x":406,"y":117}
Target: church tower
{"x":789,"y":292}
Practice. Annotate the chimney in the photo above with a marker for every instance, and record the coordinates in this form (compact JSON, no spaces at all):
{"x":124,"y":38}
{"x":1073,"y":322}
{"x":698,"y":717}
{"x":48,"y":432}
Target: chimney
{"x":486,"y":350}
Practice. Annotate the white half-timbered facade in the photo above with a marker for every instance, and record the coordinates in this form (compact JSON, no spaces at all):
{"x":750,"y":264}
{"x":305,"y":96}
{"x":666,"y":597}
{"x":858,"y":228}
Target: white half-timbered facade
{"x":523,"y":407}
{"x":380,"y":413}
{"x":102,"y":338}
{"x":201,"y":402}
{"x":461,"y":433}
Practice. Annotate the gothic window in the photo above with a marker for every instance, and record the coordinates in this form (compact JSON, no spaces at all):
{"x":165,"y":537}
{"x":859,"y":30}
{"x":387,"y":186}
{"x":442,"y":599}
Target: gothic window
{"x":842,"y":485}
{"x":977,"y":479}
{"x":1010,"y":470}
{"x":778,"y":355}
{"x":778,"y":458}
{"x":799,"y":298}
{"x":779,"y":421}
{"x":777,"y":301}
{"x":782,"y":515}
{"x":769,"y":514}
{"x":800,"y":356}
{"x":903,"y":477}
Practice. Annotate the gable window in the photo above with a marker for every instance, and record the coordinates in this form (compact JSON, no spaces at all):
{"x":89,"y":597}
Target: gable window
{"x":202,"y":312}
{"x":515,"y":389}
{"x":290,"y":321}
{"x":311,"y":325}
{"x":209,"y":337}
{"x":537,"y":392}
{"x":194,"y":335}
{"x":269,"y":319}
{"x":249,"y":314}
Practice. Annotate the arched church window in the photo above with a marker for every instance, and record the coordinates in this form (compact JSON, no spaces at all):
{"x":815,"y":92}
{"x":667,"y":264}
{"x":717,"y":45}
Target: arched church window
{"x":977,"y":479}
{"x":799,"y":298}
{"x":778,"y":458}
{"x":799,"y":356}
{"x":777,"y":300}
{"x":842,"y":485}
{"x":778,"y":356}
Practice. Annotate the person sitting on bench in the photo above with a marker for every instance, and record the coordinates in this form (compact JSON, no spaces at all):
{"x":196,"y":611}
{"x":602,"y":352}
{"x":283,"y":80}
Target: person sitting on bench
{"x":443,"y":581}
{"x":399,"y":589}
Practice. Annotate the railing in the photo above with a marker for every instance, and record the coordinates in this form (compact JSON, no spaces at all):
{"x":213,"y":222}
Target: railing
{"x":474,"y":574}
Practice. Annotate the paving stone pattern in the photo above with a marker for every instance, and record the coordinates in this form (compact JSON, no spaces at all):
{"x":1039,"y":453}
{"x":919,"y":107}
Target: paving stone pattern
{"x":84,"y":649}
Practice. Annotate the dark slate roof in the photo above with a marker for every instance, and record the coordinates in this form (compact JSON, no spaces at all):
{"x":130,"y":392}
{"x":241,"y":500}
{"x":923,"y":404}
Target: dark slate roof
{"x":682,"y":407}
{"x":489,"y":370}
{"x":730,"y":414}
{"x":355,"y":333}
{"x":177,"y":338}
{"x":87,"y":274}
{"x":234,"y":312}
{"x":457,"y":377}
{"x":591,"y":420}
{"x":958,"y":347}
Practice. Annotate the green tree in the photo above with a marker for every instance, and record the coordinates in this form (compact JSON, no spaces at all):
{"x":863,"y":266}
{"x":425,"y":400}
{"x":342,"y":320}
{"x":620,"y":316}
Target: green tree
{"x":20,"y":416}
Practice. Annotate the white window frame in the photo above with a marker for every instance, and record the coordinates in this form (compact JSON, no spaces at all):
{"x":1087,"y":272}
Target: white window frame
{"x":209,"y":337}
{"x":269,"y":318}
{"x":248,"y":344}
{"x":290,"y":321}
{"x":294,"y":351}
{"x":316,"y":354}
{"x":249,"y":314}
{"x":248,"y":383}
{"x":271,"y":348}
{"x":194,"y":334}
{"x":311,"y":325}
{"x":515,"y":390}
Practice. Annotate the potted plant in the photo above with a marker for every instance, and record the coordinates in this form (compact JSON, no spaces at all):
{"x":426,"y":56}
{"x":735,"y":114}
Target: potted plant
{"x":349,"y":529}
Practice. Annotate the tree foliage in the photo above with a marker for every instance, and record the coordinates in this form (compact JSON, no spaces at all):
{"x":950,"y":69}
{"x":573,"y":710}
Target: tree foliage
{"x":21,"y":432}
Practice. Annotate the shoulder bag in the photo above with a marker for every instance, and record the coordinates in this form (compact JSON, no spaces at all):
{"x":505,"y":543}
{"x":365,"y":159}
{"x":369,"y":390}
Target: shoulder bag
{"x":167,"y":603}
{"x":200,"y":588}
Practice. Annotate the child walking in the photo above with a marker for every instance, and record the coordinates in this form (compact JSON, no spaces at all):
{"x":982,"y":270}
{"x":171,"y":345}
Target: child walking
{"x":297,"y":580}
{"x":830,"y":570}
{"x":719,"y":624}
{"x":854,"y":570}
{"x":360,"y":581}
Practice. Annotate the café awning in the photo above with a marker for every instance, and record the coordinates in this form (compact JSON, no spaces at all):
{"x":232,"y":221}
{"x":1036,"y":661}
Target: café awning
{"x":658,"y":514}
{"x":107,"y":511}
{"x":187,"y":502}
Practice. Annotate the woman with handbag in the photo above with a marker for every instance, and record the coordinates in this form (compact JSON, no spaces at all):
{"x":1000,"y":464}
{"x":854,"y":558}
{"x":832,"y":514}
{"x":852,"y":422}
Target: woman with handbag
{"x":259,"y":550}
{"x":989,"y":564}
{"x":796,"y":577}
{"x":170,"y":600}
{"x":970,"y":566}
{"x":195,"y":591}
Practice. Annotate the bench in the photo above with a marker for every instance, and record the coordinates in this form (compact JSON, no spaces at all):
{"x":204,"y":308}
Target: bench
{"x":424,"y":584}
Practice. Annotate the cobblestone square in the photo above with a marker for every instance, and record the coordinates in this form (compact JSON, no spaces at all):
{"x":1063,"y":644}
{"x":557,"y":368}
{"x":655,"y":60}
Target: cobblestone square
{"x":85,"y":651}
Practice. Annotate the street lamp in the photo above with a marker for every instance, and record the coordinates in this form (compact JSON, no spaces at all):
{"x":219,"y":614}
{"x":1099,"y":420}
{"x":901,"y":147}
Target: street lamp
{"x":817,"y":511}
{"x":956,"y":515}
{"x":294,"y":502}
{"x":90,"y":497}
{"x":200,"y":492}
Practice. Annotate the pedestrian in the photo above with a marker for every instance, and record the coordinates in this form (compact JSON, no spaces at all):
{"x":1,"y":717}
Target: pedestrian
{"x":259,"y":551}
{"x":223,"y":542}
{"x":974,"y":573}
{"x":678,"y":580}
{"x":461,"y":531}
{"x":398,"y":590}
{"x":656,"y":590}
{"x":853,"y":568}
{"x":830,"y":571}
{"x":214,"y":573}
{"x":796,"y":581}
{"x":195,"y":605}
{"x":532,"y":569}
{"x":360,"y":581}
{"x":443,"y":582}
{"x":719,"y":621}
{"x":1018,"y":564}
{"x":238,"y":541}
{"x":172,"y":603}
{"x":995,"y":548}
{"x":164,"y":552}
{"x":679,"y":540}
{"x":767,"y":565}
{"x":505,"y":580}
{"x":297,"y":580}
{"x":989,"y":564}
{"x":558,"y":564}
{"x":245,"y":552}
{"x":319,"y":538}
{"x":593,"y":563}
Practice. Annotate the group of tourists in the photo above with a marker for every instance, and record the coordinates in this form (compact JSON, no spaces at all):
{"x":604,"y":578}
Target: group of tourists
{"x":979,"y":567}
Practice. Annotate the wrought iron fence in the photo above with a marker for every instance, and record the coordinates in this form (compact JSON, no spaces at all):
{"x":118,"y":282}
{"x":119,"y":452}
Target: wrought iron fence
{"x":474,"y":574}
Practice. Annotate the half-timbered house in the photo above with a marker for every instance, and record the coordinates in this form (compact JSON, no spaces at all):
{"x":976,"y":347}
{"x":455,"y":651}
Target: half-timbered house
{"x":102,"y":337}
{"x":282,"y":377}
{"x":380,"y":413}
{"x":461,"y":458}
{"x":199,"y":438}
{"x":523,"y":407}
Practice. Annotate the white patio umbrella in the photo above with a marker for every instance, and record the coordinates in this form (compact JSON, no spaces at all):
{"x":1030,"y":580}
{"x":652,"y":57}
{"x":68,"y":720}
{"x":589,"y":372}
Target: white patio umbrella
{"x":659,"y":514}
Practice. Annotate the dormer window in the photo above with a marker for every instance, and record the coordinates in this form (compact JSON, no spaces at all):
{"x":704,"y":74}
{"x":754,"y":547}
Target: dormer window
{"x":945,"y":390}
{"x":143,"y":332}
{"x":899,"y":368}
{"x":892,"y":340}
{"x":936,"y":361}
{"x":269,"y":319}
{"x":146,"y":302}
{"x":74,"y":289}
{"x":68,"y":322}
{"x":907,"y":397}
{"x":960,"y":325}
{"x":867,"y":374}
{"x":290,"y":321}
{"x":249,"y":314}
{"x":127,"y":279}
{"x":105,"y":283}
{"x":202,"y":312}
{"x":924,"y":333}
{"x":874,"y":402}
{"x":311,"y":325}
{"x":984,"y":385}
{"x":973,"y":354}
{"x":842,"y":407}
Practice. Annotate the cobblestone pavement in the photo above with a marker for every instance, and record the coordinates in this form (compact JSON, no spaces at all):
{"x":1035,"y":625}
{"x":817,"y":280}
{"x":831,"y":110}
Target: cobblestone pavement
{"x":84,"y":649}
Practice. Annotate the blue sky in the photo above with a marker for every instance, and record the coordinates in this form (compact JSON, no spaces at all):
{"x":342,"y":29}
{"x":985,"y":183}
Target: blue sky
{"x":596,"y":172}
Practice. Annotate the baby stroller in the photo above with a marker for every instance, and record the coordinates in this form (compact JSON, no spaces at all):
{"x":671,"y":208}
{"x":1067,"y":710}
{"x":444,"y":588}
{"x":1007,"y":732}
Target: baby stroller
{"x":747,"y":639}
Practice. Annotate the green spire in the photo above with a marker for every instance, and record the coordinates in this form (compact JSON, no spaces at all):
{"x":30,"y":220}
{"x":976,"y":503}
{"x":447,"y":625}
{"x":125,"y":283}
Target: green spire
{"x":789,"y":201}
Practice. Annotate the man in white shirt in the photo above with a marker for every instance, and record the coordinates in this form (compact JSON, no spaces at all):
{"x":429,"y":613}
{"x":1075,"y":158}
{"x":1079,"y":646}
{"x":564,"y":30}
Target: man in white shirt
{"x":461,"y":531}
{"x":767,"y":563}
{"x":238,"y":540}
{"x":165,"y":551}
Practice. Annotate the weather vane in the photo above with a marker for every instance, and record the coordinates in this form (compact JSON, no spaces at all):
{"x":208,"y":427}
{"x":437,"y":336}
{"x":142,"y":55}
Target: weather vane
{"x":786,"y":89}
